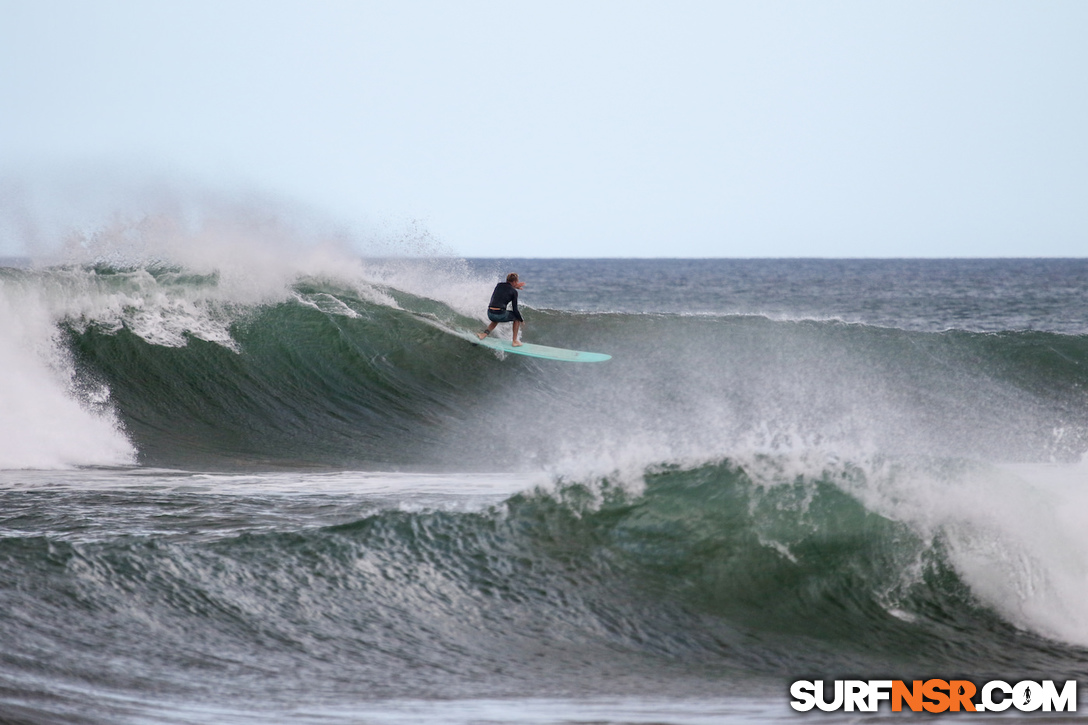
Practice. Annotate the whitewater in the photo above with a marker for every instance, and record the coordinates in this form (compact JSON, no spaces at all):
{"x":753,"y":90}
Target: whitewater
{"x":246,"y":477}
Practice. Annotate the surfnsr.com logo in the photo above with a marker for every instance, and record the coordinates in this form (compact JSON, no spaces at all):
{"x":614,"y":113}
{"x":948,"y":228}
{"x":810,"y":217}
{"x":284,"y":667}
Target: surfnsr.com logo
{"x":934,"y":696}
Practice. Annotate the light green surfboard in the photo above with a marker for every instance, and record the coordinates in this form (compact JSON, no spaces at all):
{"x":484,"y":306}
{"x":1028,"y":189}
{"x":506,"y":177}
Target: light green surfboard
{"x":531,"y":350}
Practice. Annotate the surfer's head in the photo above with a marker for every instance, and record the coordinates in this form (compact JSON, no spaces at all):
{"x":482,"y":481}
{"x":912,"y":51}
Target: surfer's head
{"x":512,"y":277}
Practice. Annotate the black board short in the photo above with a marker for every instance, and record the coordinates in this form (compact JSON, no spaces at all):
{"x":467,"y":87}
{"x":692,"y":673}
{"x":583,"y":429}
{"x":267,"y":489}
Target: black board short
{"x":504,"y":316}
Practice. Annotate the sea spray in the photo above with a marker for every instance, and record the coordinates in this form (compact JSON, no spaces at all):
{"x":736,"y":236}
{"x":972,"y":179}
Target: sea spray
{"x":50,"y":415}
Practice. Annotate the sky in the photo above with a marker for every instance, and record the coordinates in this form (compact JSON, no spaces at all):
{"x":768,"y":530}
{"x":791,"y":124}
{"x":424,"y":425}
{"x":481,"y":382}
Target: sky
{"x":569,"y":129}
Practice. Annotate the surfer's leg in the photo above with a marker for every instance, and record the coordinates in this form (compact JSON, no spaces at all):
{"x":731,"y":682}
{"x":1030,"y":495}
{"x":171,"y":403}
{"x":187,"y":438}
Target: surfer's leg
{"x":486,"y":332}
{"x":517,"y":327}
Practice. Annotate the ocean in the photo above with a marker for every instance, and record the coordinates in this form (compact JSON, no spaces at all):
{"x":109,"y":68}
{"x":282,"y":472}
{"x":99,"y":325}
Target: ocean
{"x":274,"y":488}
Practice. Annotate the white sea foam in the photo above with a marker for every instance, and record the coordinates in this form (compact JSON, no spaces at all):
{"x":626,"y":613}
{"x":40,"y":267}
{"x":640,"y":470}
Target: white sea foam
{"x":42,"y":424}
{"x":1018,"y":535}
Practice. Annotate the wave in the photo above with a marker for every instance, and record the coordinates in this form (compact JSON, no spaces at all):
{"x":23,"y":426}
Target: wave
{"x":173,"y":367}
{"x":727,"y":567}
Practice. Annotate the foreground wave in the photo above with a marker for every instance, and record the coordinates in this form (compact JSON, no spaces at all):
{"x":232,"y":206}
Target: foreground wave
{"x":577,"y":588}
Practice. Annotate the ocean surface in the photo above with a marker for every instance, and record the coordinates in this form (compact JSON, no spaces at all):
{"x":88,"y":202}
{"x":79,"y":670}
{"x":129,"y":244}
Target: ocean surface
{"x":245,"y":488}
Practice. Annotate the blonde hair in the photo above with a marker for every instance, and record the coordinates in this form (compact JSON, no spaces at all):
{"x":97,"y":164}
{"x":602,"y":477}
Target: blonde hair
{"x":512,"y":277}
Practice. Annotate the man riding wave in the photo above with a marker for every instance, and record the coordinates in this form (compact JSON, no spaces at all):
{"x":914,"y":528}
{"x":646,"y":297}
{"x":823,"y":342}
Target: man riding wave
{"x":506,"y":293}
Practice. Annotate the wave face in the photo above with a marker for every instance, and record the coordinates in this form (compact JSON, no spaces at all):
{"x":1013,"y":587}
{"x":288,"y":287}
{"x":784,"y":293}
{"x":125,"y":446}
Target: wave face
{"x":353,"y":372}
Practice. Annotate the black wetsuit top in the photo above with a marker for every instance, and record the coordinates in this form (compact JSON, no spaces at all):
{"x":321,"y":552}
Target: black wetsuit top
{"x":504,"y":294}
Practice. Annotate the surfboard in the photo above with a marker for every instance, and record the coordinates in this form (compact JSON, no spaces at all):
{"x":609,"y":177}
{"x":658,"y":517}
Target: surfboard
{"x":531,"y":350}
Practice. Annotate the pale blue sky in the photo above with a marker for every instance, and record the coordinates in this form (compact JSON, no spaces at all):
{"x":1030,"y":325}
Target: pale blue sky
{"x":862,"y":129}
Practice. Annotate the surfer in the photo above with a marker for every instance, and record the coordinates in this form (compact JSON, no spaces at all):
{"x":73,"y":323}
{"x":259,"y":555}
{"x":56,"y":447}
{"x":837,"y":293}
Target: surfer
{"x":506,"y":293}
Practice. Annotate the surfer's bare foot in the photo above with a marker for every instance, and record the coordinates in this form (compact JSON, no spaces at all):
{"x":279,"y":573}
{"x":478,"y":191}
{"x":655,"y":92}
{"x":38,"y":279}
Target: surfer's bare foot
{"x":481,"y":335}
{"x":515,"y":343}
